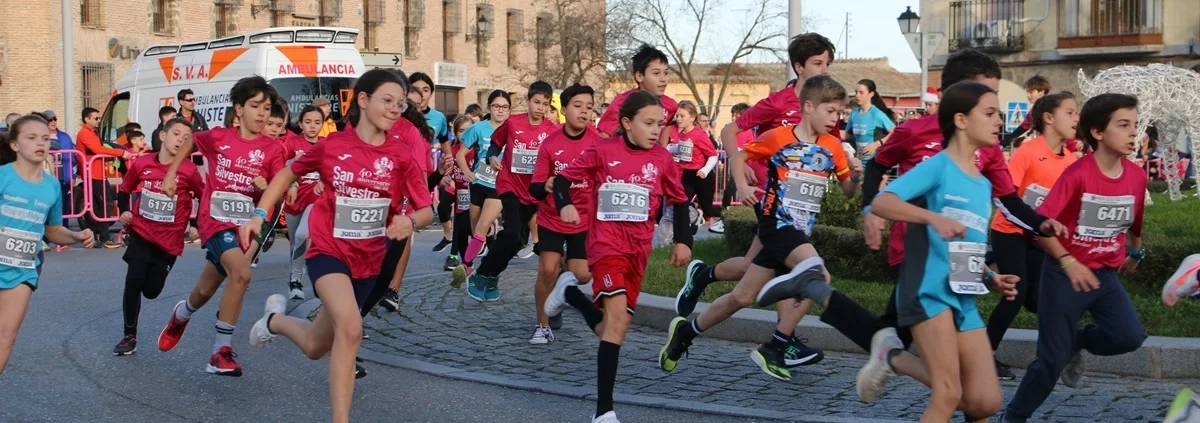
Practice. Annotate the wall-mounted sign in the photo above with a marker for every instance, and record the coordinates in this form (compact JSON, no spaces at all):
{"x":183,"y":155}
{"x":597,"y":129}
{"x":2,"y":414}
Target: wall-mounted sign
{"x":304,"y":20}
{"x":122,"y":51}
{"x":450,"y":75}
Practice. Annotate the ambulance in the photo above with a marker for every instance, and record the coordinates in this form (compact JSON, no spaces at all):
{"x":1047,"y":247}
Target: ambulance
{"x":302,"y":63}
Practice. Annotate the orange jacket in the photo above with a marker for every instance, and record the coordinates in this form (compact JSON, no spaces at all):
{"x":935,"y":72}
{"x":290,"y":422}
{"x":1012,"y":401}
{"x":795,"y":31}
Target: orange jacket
{"x":88,"y":143}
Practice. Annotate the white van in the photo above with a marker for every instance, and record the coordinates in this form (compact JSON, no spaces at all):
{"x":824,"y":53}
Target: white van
{"x":302,"y":63}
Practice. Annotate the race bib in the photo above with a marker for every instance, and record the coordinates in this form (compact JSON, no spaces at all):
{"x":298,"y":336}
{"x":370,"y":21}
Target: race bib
{"x":463,"y":199}
{"x":1034,"y":195}
{"x":622,"y":202}
{"x":231,"y":207}
{"x":967,"y":268}
{"x":360,"y":218}
{"x":19,"y":248}
{"x":487,"y":174}
{"x":523,"y":161}
{"x":805,"y":192}
{"x":1102,"y":216}
{"x":684,"y":154}
{"x":157,"y":207}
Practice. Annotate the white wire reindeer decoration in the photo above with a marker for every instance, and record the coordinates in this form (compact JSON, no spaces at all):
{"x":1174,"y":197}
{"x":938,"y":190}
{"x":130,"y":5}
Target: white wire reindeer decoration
{"x":1169,"y":98}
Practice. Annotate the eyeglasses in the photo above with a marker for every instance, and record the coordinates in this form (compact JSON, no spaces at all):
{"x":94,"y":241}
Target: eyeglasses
{"x":498,"y":106}
{"x":401,"y":105}
{"x":188,"y":100}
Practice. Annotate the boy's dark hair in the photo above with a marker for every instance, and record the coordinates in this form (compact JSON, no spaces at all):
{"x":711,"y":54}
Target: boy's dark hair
{"x":421,"y":76}
{"x":250,"y":87}
{"x":807,"y":45}
{"x":177,"y":120}
{"x":540,"y":87}
{"x":88,"y":111}
{"x":966,"y":65}
{"x":130,"y":128}
{"x":1047,"y":104}
{"x":739,"y":108}
{"x":165,"y":111}
{"x":822,"y":89}
{"x":645,"y":56}
{"x":135,"y":134}
{"x":961,"y":97}
{"x":278,"y":109}
{"x":636,"y":102}
{"x":184,"y":92}
{"x":1038,"y":83}
{"x":474,"y":110}
{"x":574,"y":90}
{"x":1097,"y":112}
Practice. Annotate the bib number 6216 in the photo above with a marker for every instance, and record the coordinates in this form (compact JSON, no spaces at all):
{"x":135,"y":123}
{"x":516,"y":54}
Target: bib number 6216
{"x":626,"y":199}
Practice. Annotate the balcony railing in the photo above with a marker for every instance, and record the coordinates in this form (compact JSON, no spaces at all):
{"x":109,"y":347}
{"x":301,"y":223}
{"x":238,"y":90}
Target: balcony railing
{"x":1109,"y":23}
{"x":988,"y":25}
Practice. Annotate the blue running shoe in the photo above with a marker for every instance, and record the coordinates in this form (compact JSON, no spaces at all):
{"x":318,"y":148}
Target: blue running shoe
{"x":493,"y":289}
{"x":477,"y":287}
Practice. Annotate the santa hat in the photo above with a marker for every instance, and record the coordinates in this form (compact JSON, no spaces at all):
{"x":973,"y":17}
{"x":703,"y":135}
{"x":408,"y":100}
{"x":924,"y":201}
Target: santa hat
{"x":930,"y":96}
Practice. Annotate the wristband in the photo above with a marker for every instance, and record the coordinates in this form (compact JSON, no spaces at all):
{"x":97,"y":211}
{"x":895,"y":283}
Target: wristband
{"x":262,"y":214}
{"x":988,"y":277}
{"x":295,"y":184}
{"x":412,"y":221}
{"x":1138,"y":254}
{"x":1069,"y":262}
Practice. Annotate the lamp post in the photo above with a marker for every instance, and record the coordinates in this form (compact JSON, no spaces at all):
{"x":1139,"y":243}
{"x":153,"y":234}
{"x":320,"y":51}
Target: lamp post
{"x":481,"y":27}
{"x":923,"y":44}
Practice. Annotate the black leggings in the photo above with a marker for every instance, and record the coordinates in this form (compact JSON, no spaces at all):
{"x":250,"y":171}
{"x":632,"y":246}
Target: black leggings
{"x":859,"y":324}
{"x":387,"y":270}
{"x":445,"y":207}
{"x":730,"y":191}
{"x":511,"y":238}
{"x":703,"y":191}
{"x":461,"y":234}
{"x":145,"y":278}
{"x":1014,"y":255}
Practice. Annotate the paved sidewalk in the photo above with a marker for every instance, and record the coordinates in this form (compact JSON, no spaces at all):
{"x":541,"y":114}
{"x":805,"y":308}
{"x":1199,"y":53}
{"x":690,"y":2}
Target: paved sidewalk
{"x":443,"y":326}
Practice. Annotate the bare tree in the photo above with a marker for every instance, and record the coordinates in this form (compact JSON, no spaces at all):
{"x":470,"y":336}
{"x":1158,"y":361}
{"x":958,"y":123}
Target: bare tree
{"x":659,"y":22}
{"x":569,"y":41}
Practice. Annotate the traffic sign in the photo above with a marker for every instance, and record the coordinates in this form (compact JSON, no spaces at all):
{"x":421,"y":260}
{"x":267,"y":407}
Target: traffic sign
{"x":382,"y":60}
{"x":1016,"y":114}
{"x":932,"y":41}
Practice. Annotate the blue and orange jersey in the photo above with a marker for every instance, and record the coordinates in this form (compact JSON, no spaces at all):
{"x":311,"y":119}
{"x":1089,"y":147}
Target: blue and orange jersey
{"x":798,"y":174}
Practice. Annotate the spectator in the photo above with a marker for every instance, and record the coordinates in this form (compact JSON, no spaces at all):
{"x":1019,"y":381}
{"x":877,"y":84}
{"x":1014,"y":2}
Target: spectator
{"x":165,"y":114}
{"x":8,"y":120}
{"x":330,"y":126}
{"x":90,"y":145}
{"x":66,"y":162}
{"x":187,"y":109}
{"x":123,"y":139}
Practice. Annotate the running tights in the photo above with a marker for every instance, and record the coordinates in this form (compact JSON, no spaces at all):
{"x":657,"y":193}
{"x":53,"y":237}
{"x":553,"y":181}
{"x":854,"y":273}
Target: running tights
{"x":703,"y":191}
{"x":461,"y":234}
{"x":1021,"y":258}
{"x":143,"y":279}
{"x":298,"y":237}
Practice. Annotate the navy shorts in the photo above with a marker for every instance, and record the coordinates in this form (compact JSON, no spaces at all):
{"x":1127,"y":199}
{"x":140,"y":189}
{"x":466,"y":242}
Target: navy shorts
{"x":321,"y":265}
{"x":217,"y":245}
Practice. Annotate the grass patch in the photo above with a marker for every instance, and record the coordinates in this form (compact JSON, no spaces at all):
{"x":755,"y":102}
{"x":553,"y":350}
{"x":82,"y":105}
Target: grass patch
{"x":1172,"y":232}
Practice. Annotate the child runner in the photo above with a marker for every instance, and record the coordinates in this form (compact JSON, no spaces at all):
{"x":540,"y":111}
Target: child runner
{"x":556,"y":238}
{"x":457,"y":184}
{"x":801,"y":159}
{"x":519,"y":137}
{"x":156,"y":223}
{"x":240,"y":160}
{"x":422,"y":91}
{"x":276,"y":129}
{"x":485,"y":203}
{"x":1034,"y":166}
{"x":936,"y":295}
{"x":810,"y":55}
{"x":33,"y":202}
{"x":1100,"y":198}
{"x":631,"y":174}
{"x":369,"y":177}
{"x":651,"y":72}
{"x":871,"y":122}
{"x":302,"y":194}
{"x":696,"y":156}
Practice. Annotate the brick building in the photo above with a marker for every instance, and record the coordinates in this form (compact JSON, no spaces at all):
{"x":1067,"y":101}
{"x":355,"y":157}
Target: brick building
{"x":443,"y":38}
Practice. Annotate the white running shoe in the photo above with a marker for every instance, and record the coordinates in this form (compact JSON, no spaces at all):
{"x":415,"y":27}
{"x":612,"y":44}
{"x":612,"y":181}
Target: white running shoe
{"x":541,"y":336}
{"x":526,"y":251}
{"x":557,"y":300}
{"x":296,"y":290}
{"x":1184,"y":282}
{"x":717,"y":227}
{"x":609,"y":417}
{"x":874,"y":375}
{"x":260,"y":335}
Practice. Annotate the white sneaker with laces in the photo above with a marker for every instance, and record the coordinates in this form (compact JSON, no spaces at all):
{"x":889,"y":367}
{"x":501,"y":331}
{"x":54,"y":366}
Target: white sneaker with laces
{"x":874,"y":375}
{"x":541,"y":336}
{"x":609,"y":417}
{"x":526,"y":251}
{"x":260,"y":335}
{"x":1184,"y":283}
{"x":717,"y":227}
{"x":557,"y":300}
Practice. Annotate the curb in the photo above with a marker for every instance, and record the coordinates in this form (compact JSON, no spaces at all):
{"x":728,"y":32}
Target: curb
{"x":1159,"y":357}
{"x":586,"y":393}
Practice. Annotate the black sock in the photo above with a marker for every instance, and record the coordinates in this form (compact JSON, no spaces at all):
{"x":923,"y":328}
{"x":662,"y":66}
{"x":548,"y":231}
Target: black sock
{"x":269,"y":317}
{"x":705,"y":276}
{"x":779,"y":340}
{"x":606,"y":376}
{"x":690,"y":331}
{"x":575,"y":298}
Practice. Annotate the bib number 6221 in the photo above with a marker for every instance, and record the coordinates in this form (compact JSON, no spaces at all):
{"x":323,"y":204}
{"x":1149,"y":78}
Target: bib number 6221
{"x":366,"y":215}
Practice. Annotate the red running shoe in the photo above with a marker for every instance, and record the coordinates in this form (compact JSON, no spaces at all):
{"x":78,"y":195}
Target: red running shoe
{"x":222,"y":363}
{"x":169,"y":337}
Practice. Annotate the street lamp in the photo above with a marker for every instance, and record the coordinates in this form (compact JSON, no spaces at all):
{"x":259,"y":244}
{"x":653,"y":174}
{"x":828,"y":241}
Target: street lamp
{"x":923,"y":44}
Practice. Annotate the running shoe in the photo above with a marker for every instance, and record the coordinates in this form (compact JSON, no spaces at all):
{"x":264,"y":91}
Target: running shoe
{"x":1185,"y":408}
{"x":526,"y":251}
{"x":792,"y":284}
{"x":169,"y":337}
{"x":260,"y":333}
{"x":675,"y":348}
{"x":609,"y":417}
{"x":296,"y":290}
{"x":254,"y":263}
{"x":451,"y":263}
{"x":460,"y":274}
{"x":485,"y":250}
{"x":1003,"y":372}
{"x":717,"y":227}
{"x":770,"y":360}
{"x":112,"y":244}
{"x":442,"y":245}
{"x":477,"y":287}
{"x":1184,"y":282}
{"x":1005,"y":418}
{"x":798,"y":354}
{"x":359,"y":371}
{"x":556,"y":321}
{"x":391,"y":300}
{"x":45,"y":247}
{"x":556,"y":301}
{"x":222,"y":364}
{"x":541,"y":336}
{"x":127,"y":346}
{"x":874,"y":375}
{"x":689,"y":294}
{"x":1072,"y":375}
{"x":493,"y":289}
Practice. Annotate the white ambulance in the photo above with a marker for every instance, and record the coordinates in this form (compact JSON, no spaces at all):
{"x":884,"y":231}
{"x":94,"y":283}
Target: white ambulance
{"x":302,"y":63}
